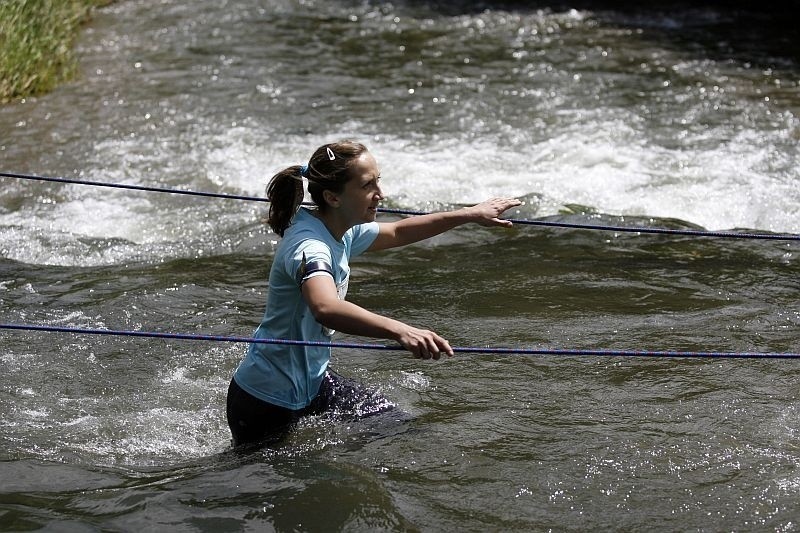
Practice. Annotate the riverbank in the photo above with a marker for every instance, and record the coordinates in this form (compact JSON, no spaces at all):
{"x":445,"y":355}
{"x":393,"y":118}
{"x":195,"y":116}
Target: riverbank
{"x":36,"y":40}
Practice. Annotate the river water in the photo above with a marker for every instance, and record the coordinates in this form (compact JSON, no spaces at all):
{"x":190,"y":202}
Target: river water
{"x":681,"y":116}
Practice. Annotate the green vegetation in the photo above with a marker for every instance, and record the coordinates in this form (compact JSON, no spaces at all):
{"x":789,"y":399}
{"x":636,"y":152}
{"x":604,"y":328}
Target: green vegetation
{"x":36,"y":38}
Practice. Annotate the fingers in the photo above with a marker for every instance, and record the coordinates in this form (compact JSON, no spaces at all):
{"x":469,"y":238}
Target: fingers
{"x":503,"y":204}
{"x":490,"y":211}
{"x":425,"y":344}
{"x":430,"y":347}
{"x":502,"y":222}
{"x":435,"y":346}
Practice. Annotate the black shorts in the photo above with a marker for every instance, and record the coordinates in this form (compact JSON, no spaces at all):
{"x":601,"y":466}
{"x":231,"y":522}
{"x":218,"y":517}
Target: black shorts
{"x":254,"y":421}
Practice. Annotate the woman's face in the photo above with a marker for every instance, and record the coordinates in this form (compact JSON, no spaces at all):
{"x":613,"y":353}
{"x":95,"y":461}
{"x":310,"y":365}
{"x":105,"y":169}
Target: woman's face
{"x":362,"y":194}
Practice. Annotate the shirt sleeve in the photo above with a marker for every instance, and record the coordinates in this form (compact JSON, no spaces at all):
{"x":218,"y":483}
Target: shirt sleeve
{"x":311,"y":251}
{"x":363,"y":235}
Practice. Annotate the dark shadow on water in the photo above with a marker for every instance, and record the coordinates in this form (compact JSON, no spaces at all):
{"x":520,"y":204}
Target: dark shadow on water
{"x":764,"y":34}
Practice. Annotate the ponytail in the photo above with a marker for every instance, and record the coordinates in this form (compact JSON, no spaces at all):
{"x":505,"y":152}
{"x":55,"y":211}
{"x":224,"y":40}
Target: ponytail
{"x":285,"y":193}
{"x":327,"y":170}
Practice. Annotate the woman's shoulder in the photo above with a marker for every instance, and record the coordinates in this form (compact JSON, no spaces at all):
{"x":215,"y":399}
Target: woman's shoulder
{"x":303,"y":222}
{"x":305,"y":227}
{"x":362,"y":232}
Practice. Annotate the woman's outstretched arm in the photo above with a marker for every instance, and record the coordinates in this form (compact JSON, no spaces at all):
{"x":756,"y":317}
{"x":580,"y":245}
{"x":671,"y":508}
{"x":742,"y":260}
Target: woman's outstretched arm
{"x":421,"y":227}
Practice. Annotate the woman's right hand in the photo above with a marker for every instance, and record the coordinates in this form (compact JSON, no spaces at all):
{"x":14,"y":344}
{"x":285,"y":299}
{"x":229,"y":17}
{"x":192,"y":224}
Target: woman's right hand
{"x":423,"y":343}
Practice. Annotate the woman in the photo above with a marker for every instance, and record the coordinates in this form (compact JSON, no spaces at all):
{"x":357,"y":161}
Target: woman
{"x":276,"y":384}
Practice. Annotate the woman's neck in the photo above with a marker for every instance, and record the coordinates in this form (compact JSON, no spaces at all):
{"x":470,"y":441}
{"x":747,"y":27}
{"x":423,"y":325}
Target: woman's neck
{"x":335,"y":225}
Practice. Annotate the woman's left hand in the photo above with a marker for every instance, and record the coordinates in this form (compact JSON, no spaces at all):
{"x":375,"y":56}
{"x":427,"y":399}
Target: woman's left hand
{"x":487,"y":213}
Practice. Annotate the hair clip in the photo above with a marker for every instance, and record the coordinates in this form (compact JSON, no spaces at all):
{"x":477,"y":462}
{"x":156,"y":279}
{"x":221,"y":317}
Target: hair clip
{"x":331,"y":155}
{"x":303,"y":170}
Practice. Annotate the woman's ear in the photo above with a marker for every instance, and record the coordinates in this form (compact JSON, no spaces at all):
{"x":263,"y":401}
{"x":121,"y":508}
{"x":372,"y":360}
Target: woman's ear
{"x":331,"y":198}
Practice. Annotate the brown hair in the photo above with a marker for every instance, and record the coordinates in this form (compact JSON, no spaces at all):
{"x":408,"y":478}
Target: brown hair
{"x":327,"y":170}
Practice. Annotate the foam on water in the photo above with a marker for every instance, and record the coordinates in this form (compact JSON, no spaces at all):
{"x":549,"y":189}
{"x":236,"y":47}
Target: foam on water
{"x":147,"y":430}
{"x":724,"y":188}
{"x":606,"y":165}
{"x":731,"y":186}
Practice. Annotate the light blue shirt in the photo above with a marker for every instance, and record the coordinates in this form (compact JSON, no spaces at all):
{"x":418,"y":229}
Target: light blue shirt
{"x":290,"y":375}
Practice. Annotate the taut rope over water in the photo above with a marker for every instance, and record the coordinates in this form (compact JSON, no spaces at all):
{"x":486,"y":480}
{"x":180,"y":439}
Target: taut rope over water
{"x":618,"y":229}
{"x":356,"y":346}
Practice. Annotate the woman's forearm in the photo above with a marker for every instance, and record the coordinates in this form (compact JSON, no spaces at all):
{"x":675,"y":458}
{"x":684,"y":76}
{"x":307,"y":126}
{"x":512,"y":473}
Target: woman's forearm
{"x":421,"y":227}
{"x":349,"y":318}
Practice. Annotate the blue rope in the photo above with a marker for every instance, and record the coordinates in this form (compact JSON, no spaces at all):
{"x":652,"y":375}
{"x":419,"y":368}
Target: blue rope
{"x":618,"y":229}
{"x":132,"y":187}
{"x":637,"y":229}
{"x":355,"y":346}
